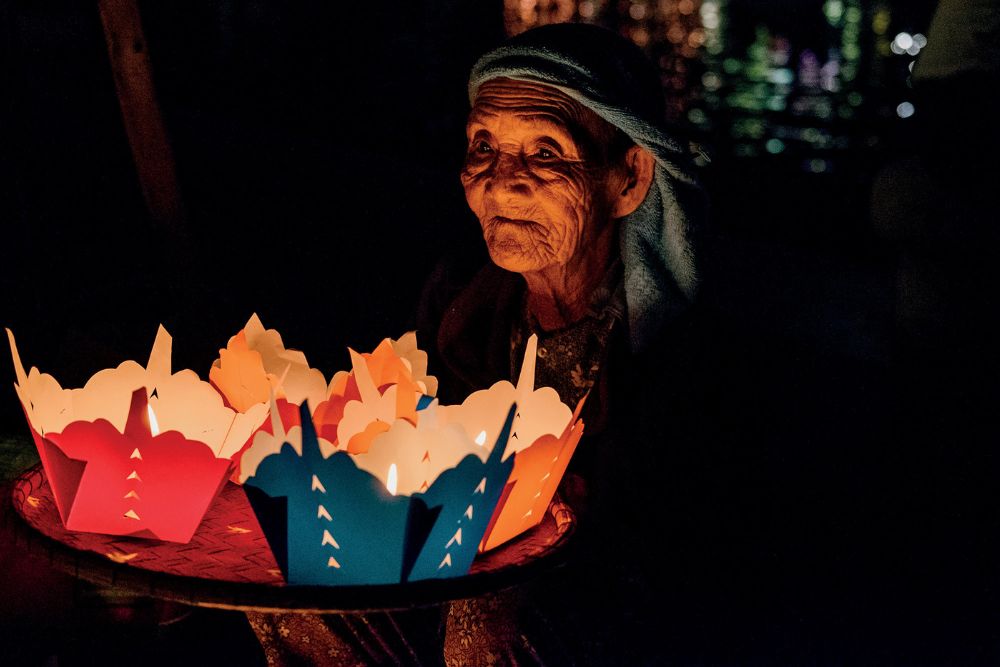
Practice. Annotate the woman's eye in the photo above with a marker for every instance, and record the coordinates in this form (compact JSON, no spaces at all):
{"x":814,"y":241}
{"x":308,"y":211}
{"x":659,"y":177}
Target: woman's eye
{"x":484,"y":148}
{"x":545,"y":154}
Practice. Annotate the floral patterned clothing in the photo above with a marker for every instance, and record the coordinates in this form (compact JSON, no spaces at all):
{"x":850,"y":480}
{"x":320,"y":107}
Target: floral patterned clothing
{"x":413,"y":637}
{"x":569,"y":359}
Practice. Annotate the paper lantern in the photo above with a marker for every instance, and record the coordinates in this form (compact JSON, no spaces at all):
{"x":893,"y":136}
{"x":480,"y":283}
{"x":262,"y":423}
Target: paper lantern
{"x":544,"y":437}
{"x":399,"y":490}
{"x":391,"y":384}
{"x":387,"y":384}
{"x":399,"y":512}
{"x":137,"y":451}
{"x":255,"y":364}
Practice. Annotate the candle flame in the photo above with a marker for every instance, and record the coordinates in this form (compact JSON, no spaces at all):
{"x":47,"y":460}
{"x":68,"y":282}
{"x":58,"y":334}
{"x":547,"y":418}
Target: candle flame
{"x":481,"y":438}
{"x":392,"y":481}
{"x":154,"y":427}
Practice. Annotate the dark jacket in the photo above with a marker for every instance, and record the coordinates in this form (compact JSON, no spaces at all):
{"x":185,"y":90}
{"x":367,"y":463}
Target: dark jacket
{"x":630,"y":479}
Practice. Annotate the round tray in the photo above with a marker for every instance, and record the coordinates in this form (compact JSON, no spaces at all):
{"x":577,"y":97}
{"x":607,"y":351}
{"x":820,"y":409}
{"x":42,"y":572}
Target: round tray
{"x":228,"y":564}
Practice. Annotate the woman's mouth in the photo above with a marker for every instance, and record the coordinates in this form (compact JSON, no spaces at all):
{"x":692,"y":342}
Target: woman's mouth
{"x":513,"y":221}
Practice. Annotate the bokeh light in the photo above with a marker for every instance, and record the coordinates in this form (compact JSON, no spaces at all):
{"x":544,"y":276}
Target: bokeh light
{"x":761,"y":87}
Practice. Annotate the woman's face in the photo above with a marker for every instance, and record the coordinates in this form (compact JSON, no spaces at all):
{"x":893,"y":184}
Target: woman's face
{"x":535,"y":174}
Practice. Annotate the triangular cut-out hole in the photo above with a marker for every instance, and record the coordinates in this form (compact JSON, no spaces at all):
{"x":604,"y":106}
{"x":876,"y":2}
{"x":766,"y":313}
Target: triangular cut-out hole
{"x":328,"y":539}
{"x":317,"y":485}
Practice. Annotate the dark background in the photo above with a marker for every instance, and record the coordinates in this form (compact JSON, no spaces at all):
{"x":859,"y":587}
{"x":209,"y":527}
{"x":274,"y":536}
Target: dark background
{"x":317,"y":147}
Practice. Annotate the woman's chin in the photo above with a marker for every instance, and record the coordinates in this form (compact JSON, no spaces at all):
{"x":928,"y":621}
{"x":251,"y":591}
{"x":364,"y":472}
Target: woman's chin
{"x":512,"y":257}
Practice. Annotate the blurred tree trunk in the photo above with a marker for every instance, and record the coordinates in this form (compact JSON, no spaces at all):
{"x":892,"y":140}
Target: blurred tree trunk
{"x":147,"y":135}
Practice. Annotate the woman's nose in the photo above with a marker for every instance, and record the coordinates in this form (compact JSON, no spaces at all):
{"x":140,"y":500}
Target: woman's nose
{"x":511,"y":172}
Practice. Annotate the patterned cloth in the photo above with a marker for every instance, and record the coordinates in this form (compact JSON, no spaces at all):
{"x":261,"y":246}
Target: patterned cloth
{"x":401,"y":638}
{"x":569,"y":359}
{"x":486,"y":631}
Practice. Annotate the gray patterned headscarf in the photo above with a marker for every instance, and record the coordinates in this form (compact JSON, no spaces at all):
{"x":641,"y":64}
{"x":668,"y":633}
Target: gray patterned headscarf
{"x":610,"y":76}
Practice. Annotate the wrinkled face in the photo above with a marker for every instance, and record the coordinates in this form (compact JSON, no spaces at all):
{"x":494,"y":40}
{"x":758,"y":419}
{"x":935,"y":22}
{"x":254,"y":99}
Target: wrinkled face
{"x":536,"y":175}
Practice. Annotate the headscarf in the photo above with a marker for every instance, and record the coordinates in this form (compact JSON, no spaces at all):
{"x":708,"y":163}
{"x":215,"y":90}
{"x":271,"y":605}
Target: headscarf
{"x":610,"y":76}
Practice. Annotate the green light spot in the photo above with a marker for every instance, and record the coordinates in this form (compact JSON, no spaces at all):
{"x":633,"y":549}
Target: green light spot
{"x":757,"y":71}
{"x":812,"y":135}
{"x":698,"y":117}
{"x":834,"y":10}
{"x":774,"y":146}
{"x":781,"y":76}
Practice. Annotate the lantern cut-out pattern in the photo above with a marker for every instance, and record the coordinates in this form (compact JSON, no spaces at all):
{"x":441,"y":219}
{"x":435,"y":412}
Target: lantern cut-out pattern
{"x":329,"y":521}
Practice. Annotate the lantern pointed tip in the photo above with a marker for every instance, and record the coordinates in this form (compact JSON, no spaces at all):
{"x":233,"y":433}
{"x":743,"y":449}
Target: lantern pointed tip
{"x":363,"y":378}
{"x":22,"y":377}
{"x":526,"y":379}
{"x":159,"y":356}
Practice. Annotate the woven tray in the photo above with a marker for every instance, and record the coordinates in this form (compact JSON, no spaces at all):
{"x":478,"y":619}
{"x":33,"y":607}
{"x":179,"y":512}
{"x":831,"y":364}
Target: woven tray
{"x":228,"y":563}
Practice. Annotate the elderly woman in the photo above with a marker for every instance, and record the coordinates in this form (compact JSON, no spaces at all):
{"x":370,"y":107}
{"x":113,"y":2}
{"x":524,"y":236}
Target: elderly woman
{"x":587,"y":209}
{"x":586,"y":205}
{"x":589,"y":212}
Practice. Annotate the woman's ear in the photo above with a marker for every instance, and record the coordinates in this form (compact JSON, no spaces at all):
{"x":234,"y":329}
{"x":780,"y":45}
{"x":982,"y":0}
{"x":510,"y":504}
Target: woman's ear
{"x":639,"y":166}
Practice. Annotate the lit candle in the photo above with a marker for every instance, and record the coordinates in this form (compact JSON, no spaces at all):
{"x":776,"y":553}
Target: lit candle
{"x":392,"y":479}
{"x":154,"y":427}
